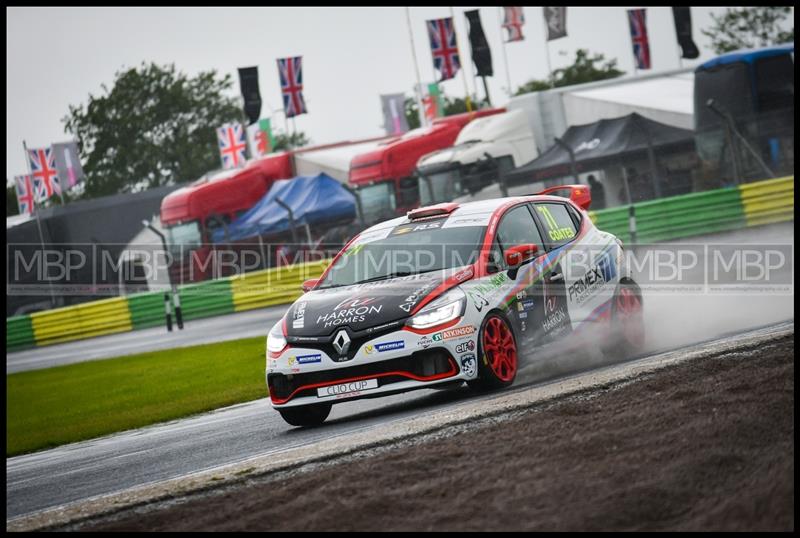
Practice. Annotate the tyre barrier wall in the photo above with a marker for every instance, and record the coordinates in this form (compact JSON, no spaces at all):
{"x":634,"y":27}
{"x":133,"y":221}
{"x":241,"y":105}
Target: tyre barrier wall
{"x":754,"y":204}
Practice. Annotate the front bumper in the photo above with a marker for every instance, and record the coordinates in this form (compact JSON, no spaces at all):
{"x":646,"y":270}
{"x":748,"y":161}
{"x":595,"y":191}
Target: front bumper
{"x":399,"y":361}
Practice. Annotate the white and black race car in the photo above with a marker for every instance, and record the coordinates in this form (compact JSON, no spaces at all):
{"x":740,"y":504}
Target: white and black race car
{"x":450,"y":293}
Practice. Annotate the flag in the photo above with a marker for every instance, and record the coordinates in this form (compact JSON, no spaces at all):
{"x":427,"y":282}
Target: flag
{"x":442,"y":35}
{"x":248,"y":82}
{"x":481,"y":54}
{"x":25,"y":198}
{"x":394,"y":116}
{"x":231,"y":145}
{"x":641,"y":46}
{"x":556,"y":19}
{"x":68,"y":164}
{"x":683,"y":27}
{"x":291,"y":73}
{"x":260,"y":139}
{"x":433,"y":103}
{"x":514,"y":19}
{"x":45,"y":175}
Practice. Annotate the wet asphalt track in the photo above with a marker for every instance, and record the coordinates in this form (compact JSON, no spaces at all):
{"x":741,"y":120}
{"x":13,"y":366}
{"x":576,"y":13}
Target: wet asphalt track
{"x":82,"y":470}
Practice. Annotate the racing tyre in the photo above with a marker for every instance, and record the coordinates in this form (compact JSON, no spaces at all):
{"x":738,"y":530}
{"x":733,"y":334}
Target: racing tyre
{"x":627,"y":321}
{"x":306,"y":415}
{"x":497,"y":354}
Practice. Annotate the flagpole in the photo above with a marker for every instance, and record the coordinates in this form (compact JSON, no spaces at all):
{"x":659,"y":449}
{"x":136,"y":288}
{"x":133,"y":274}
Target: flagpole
{"x":38,"y":220}
{"x":418,"y":93}
{"x":460,"y":55}
{"x":547,"y":51}
{"x":505,"y":54}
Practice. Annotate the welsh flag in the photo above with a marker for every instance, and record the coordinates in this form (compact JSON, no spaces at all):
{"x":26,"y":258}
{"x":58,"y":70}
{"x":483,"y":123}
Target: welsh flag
{"x":434,"y":105}
{"x":260,"y":138}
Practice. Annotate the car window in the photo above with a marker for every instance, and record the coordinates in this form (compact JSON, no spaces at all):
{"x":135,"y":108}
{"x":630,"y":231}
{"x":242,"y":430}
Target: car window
{"x":558,"y":224}
{"x":516,"y":228}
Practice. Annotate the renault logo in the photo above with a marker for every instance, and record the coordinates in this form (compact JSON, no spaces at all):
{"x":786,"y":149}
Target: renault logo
{"x":341,"y":343}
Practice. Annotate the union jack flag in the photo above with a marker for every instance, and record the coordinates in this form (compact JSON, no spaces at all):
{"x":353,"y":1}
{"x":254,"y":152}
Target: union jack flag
{"x":641,"y":45}
{"x":44,"y":173}
{"x":291,"y":73}
{"x":443,"y":47}
{"x":25,"y":197}
{"x":232,"y":145}
{"x":514,"y":19}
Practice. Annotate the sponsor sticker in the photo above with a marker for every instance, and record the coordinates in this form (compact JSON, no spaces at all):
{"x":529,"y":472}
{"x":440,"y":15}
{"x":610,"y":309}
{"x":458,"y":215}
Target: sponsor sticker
{"x":343,"y":390}
{"x":350,"y":311}
{"x":469,"y":365}
{"x":586,"y":286}
{"x":425,"y":342}
{"x":299,"y":317}
{"x":458,"y":332}
{"x":385,"y":346}
{"x":416,"y":296}
{"x":466,"y":346}
{"x":422,"y":226}
{"x":309,"y":359}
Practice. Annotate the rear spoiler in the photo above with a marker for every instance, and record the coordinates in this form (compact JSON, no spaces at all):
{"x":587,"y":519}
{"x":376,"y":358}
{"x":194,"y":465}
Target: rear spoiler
{"x":580,"y":194}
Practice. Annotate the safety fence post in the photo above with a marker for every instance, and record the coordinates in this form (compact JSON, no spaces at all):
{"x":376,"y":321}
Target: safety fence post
{"x":168,"y":312}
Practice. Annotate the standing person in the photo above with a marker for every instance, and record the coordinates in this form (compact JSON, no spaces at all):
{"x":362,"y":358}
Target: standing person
{"x":598,"y":193}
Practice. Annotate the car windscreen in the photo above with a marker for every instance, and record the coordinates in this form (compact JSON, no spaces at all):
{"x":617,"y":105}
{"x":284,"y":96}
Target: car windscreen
{"x":408,"y":249}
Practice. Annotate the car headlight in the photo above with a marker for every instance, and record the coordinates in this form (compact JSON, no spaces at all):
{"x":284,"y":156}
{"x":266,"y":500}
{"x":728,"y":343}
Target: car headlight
{"x":276,"y":342}
{"x":447,"y":308}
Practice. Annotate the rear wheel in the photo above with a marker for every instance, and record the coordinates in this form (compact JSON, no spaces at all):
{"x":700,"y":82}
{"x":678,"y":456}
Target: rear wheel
{"x":497,"y":354}
{"x":627,"y":321}
{"x":306,"y":415}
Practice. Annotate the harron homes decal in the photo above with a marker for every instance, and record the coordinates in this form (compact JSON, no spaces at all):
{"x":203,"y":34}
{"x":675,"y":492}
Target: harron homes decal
{"x":350,"y":311}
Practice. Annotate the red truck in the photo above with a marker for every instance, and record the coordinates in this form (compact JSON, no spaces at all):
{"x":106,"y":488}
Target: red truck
{"x":189,"y":214}
{"x":385,"y":177}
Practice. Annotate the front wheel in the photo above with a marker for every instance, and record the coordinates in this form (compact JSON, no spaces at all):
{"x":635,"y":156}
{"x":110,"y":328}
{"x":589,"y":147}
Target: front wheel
{"x":306,"y":415}
{"x":497,"y":354}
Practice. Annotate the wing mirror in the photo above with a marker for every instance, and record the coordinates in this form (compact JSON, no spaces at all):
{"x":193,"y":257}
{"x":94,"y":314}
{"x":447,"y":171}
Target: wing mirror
{"x":309,"y":284}
{"x":519,"y":254}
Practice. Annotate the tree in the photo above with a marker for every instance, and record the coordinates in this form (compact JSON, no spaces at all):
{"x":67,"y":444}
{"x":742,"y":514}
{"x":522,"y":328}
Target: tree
{"x":584,"y":69}
{"x":749,"y":28}
{"x":452,"y":106}
{"x":295,"y":140}
{"x":156,"y":126}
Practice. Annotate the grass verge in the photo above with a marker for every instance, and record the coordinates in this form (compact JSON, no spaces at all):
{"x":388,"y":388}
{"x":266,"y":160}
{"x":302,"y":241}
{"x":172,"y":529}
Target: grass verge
{"x":54,"y":406}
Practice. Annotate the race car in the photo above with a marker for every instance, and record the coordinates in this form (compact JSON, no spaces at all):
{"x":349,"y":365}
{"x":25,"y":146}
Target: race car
{"x":451,"y":293}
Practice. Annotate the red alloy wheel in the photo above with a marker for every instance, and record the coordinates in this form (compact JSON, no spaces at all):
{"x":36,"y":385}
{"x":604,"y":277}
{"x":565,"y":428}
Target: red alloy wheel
{"x":500,"y":349}
{"x":629,"y":311}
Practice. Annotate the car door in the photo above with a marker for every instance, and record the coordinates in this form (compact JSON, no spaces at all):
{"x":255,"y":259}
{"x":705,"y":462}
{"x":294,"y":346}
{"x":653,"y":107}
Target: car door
{"x":525,"y":306}
{"x":560,"y":231}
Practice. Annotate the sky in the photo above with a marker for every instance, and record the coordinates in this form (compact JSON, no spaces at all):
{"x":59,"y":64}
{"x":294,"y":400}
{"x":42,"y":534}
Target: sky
{"x":350,"y":57}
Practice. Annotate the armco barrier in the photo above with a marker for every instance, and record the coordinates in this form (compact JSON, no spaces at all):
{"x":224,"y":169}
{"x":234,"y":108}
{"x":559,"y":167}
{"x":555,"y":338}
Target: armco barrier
{"x":19,"y":332}
{"x":206,"y":299}
{"x":768,"y":202}
{"x":754,"y":204}
{"x":147,"y":309}
{"x":701,"y":213}
{"x":81,"y":321}
{"x":274,"y":286}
